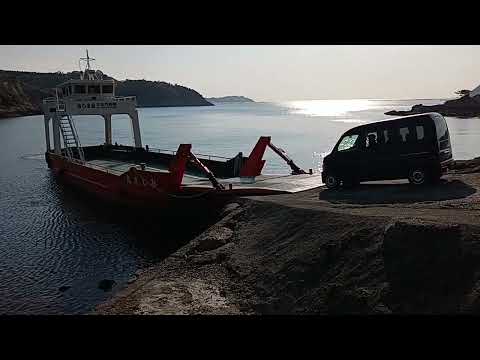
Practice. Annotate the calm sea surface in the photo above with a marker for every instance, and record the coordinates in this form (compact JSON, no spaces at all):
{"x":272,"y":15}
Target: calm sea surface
{"x":51,"y":236}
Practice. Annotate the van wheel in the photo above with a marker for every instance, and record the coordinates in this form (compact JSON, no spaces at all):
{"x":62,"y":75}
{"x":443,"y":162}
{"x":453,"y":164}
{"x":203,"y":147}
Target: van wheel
{"x":417,"y":176}
{"x":331,"y":181}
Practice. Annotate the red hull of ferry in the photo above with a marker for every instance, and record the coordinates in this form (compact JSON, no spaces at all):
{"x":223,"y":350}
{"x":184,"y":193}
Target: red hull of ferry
{"x":104,"y":185}
{"x":135,"y":187}
{"x":143,"y":189}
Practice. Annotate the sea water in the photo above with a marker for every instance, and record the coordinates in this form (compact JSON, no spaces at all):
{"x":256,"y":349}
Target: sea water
{"x":52,"y":236}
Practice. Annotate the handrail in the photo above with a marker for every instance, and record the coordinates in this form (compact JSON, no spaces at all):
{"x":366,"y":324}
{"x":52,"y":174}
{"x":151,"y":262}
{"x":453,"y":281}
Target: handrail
{"x":126,"y":97}
{"x":213,"y":156}
{"x":174,"y":152}
{"x":162,"y":150}
{"x":85,"y":163}
{"x":51,"y":99}
{"x":118,"y":98}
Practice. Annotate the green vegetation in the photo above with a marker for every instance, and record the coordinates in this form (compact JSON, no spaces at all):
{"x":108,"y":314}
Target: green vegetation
{"x":21,"y":92}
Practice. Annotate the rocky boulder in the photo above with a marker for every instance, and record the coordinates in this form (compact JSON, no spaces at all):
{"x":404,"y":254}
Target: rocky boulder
{"x":214,"y":238}
{"x":463,"y":107}
{"x":422,"y":257}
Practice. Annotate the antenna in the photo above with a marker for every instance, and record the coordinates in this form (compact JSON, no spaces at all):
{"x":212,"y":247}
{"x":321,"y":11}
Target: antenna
{"x":87,"y":59}
{"x":87,"y":71}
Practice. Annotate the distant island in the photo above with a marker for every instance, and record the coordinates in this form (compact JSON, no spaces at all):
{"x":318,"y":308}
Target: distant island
{"x":466,"y":106}
{"x":21,"y":92}
{"x":230,"y":99}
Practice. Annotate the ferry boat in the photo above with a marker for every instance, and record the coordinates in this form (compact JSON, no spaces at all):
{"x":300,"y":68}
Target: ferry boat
{"x":143,"y":176}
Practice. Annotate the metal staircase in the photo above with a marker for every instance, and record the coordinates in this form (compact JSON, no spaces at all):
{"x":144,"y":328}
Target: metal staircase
{"x":71,"y":141}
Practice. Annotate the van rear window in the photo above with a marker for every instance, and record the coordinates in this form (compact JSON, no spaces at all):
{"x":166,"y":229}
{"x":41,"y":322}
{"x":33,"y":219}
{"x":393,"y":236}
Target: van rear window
{"x":442,"y":132}
{"x":441,"y":128}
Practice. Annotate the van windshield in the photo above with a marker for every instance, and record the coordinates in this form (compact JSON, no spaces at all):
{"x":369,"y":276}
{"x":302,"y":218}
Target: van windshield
{"x":348,"y":142}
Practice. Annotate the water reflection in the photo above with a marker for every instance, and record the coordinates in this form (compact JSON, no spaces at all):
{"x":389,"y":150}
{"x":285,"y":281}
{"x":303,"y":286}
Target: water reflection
{"x":329,"y":107}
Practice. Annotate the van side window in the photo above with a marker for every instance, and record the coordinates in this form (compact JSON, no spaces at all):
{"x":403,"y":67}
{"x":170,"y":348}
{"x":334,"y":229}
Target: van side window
{"x":348,"y":142}
{"x":386,"y":137}
{"x":404,"y":134}
{"x":371,"y":140}
{"x":420,"y":132}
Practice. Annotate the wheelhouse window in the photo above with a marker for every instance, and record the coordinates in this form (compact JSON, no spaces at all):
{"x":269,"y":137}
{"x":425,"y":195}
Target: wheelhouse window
{"x":348,"y":142}
{"x":80,"y":89}
{"x":107,"y":89}
{"x":94,"y":89}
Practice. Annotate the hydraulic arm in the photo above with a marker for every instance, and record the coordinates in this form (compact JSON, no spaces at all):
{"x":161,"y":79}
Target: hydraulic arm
{"x":280,"y":152}
{"x":207,"y":171}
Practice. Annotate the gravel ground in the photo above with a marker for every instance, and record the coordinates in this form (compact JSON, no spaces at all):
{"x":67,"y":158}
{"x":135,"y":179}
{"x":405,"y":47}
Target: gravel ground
{"x":379,"y":248}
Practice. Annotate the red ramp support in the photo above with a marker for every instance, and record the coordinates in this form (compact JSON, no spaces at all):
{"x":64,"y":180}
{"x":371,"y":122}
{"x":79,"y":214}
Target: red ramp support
{"x":254,"y":164}
{"x":179,"y":163}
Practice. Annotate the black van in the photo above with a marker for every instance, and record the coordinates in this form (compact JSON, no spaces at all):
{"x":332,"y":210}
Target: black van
{"x":415,"y":147}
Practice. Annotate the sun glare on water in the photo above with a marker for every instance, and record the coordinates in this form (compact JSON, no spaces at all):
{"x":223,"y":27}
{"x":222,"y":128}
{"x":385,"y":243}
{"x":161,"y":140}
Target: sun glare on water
{"x":328,"y":107}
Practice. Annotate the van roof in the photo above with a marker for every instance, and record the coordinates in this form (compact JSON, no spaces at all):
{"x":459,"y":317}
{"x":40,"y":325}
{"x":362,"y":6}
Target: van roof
{"x":393,"y":120}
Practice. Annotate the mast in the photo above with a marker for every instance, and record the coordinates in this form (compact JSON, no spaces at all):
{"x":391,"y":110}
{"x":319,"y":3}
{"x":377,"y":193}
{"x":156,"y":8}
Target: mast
{"x":87,"y":70}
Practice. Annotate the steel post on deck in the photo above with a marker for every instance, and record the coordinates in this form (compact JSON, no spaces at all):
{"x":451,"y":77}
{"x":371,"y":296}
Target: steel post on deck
{"x":136,"y":129}
{"x":47,"y":132}
{"x":56,"y":134}
{"x":108,"y":128}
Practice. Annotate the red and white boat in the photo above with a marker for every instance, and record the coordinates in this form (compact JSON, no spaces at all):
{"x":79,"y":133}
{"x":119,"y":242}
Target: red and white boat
{"x":138,"y":175}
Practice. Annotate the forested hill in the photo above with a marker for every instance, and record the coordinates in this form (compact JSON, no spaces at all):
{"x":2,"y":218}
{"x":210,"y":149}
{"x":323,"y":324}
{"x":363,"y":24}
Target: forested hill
{"x":19,"y":99}
{"x":159,"y":93}
{"x":31,"y":87}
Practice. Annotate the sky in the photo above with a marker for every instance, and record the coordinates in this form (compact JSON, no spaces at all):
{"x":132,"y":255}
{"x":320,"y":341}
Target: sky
{"x":273,"y":73}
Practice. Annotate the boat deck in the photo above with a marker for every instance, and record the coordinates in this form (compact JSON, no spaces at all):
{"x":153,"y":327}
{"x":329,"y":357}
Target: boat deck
{"x":268,"y":184}
{"x":119,"y":167}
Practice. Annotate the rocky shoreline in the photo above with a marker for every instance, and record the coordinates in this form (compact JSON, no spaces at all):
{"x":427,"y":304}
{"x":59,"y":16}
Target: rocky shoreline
{"x":464,"y":107}
{"x":17,"y":99}
{"x":378,"y":249}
